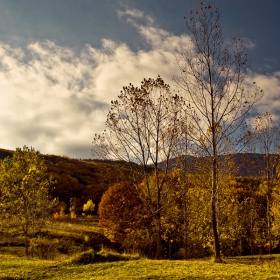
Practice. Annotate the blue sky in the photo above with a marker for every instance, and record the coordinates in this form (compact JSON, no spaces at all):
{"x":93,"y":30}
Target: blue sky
{"x":63,"y":61}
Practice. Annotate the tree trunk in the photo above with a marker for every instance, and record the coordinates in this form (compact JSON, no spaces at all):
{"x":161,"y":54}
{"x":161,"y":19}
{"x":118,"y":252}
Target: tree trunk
{"x":185,"y":238}
{"x":26,"y":243}
{"x":217,"y":253}
{"x":158,"y":240}
{"x":251,"y":235}
{"x":240,"y":246}
{"x":268,"y":211}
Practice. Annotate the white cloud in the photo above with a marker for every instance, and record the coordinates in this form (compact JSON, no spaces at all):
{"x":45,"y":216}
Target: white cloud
{"x":270,"y":102}
{"x":156,"y":38}
{"x":132,"y":14}
{"x":43,"y":102}
{"x":248,"y":43}
{"x":58,"y":99}
{"x":161,"y":40}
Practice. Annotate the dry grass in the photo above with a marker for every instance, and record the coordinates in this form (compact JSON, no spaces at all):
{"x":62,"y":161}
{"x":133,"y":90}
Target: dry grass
{"x":113,"y":266}
{"x":107,"y":264}
{"x":74,"y":227}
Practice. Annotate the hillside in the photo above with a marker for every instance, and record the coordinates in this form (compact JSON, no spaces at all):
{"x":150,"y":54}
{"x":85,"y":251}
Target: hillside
{"x":89,"y":179}
{"x":83,"y":179}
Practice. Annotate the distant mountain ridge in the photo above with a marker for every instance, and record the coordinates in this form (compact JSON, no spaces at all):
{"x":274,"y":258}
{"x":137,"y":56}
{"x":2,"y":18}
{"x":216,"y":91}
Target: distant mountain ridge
{"x":248,"y":164}
{"x":242,"y":160}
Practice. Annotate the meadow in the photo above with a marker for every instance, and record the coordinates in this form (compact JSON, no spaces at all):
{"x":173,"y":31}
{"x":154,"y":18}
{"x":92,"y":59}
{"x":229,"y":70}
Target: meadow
{"x":15,"y":267}
{"x":107,"y":264}
{"x":84,"y":263}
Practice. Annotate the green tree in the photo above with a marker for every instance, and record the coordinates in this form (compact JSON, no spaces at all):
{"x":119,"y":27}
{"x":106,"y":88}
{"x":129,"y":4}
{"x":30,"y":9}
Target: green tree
{"x":25,"y":203}
{"x":212,"y":82}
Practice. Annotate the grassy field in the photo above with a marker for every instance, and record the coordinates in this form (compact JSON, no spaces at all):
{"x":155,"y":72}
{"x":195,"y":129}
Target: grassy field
{"x":109,"y":265}
{"x":74,"y":227}
{"x":15,"y":267}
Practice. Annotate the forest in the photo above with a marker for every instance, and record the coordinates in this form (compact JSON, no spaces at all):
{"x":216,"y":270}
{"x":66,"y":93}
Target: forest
{"x":192,"y":204}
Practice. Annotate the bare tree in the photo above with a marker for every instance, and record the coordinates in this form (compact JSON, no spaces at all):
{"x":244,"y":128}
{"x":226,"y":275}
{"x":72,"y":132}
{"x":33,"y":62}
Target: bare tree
{"x":142,"y":127}
{"x":266,"y":140}
{"x":212,"y":82}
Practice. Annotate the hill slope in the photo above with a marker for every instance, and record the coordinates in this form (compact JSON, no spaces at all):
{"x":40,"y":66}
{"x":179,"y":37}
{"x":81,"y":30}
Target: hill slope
{"x":89,"y":179}
{"x":83,"y":179}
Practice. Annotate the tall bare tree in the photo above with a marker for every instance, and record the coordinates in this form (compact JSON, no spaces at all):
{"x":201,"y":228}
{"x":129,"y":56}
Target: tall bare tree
{"x":212,"y":82}
{"x":142,"y":127}
{"x":266,"y":141}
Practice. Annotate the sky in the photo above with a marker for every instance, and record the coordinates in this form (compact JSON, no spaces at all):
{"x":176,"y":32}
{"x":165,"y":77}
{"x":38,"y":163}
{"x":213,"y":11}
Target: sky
{"x":63,"y":61}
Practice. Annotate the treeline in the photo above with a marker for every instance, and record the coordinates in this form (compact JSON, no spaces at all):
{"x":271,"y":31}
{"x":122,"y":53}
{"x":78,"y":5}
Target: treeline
{"x":186,"y":231}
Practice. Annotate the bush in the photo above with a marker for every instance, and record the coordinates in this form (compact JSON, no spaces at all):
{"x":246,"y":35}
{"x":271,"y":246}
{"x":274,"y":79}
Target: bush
{"x":43,"y":248}
{"x":124,"y":218}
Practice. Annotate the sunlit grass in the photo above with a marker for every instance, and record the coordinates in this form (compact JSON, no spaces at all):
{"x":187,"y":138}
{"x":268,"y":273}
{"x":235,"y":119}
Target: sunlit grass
{"x":68,"y":229}
{"x":108,"y":265}
{"x":74,"y":227}
{"x":235,"y":268}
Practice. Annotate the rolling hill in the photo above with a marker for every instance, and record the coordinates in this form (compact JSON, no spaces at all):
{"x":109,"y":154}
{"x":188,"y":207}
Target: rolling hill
{"x":83,"y":179}
{"x":89,"y":179}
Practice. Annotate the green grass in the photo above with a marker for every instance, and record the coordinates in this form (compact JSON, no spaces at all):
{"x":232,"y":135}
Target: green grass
{"x":14,"y":267}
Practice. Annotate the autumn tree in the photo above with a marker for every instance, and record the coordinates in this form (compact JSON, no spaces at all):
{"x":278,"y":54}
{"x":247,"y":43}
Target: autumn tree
{"x":266,"y":141}
{"x":143,"y":128}
{"x":89,"y":207}
{"x":25,"y":203}
{"x":73,"y":207}
{"x":242,"y":221}
{"x":275,"y":214}
{"x":212,"y":82}
{"x":124,"y":218}
{"x":194,"y":215}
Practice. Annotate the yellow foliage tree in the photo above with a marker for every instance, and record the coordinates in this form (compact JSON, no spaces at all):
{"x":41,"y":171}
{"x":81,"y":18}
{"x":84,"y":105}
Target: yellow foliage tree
{"x":25,"y":203}
{"x":89,"y":207}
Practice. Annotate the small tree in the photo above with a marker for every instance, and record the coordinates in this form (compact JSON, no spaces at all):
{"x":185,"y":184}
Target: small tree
{"x":124,"y":218}
{"x":89,"y":207}
{"x":25,"y":203}
{"x":73,"y":207}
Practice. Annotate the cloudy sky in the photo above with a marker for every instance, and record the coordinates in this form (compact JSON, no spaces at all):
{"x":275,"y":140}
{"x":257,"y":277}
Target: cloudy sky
{"x":63,"y":61}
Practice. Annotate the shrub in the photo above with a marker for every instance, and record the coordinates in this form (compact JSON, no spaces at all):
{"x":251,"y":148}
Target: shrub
{"x":43,"y":248}
{"x":89,"y":207}
{"x":73,"y":215}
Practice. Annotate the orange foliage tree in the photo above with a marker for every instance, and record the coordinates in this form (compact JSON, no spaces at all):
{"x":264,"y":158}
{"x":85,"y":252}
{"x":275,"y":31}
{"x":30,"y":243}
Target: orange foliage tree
{"x":124,"y":218}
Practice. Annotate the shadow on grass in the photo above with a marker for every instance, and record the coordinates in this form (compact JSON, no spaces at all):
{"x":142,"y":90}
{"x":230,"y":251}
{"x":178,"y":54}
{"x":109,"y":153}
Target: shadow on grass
{"x":91,"y":256}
